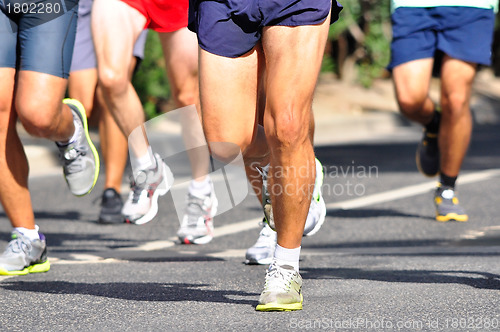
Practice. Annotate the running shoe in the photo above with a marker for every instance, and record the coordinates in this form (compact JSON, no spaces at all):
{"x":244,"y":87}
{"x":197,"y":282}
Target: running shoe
{"x":262,"y":252}
{"x":197,"y":223}
{"x":317,"y":209}
{"x":427,"y":156}
{"x":447,"y":208}
{"x":111,"y":207}
{"x":142,"y":203}
{"x":79,"y":158}
{"x":282,"y":290}
{"x":23,"y":256}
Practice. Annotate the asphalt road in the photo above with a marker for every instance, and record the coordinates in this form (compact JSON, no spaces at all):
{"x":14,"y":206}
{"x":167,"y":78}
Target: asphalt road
{"x":380,"y":262}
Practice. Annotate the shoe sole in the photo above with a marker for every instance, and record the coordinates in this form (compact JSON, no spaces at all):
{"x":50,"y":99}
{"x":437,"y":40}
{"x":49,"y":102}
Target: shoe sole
{"x":154,"y":201}
{"x":452,"y":217}
{"x":83,"y":116}
{"x":200,"y":240}
{"x":280,"y":307}
{"x":35,"y":268}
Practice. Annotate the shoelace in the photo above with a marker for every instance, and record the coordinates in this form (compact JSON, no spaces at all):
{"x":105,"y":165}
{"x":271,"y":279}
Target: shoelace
{"x":278,"y":279}
{"x":194,"y":209}
{"x":71,"y":160}
{"x":17,"y":245}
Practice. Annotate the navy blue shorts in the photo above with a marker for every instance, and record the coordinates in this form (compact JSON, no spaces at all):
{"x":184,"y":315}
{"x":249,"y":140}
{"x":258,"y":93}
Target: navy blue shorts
{"x":38,"y":35}
{"x":232,"y":28}
{"x":463,"y":33}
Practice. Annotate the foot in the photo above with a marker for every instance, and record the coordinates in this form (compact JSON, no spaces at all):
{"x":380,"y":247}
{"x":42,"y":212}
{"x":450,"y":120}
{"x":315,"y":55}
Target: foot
{"x":197,"y":224}
{"x":23,"y":256}
{"x":79,"y":158}
{"x":111,"y":208}
{"x":282,"y":291}
{"x":262,"y":252}
{"x":142,"y":203}
{"x":447,"y":206}
{"x":427,"y":157}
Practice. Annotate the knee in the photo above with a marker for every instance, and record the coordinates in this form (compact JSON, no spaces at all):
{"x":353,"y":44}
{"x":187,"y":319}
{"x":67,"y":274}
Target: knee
{"x":185,"y":97}
{"x":38,"y":119}
{"x":409,"y":104}
{"x":287,"y":130}
{"x":455,"y":105}
{"x":112,"y":81}
{"x":225,"y":146}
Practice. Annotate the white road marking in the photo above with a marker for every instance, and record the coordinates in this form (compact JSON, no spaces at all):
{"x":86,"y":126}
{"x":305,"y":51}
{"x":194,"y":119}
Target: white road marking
{"x":408,"y":191}
{"x":405,"y":192}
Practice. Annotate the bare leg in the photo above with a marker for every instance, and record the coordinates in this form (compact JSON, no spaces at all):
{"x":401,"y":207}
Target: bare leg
{"x":181,"y":57}
{"x":287,"y":119}
{"x":115,"y":27}
{"x":456,"y":121}
{"x":412,"y":81}
{"x":14,"y":192}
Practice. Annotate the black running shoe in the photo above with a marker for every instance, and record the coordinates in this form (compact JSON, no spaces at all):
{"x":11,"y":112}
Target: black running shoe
{"x":427,"y":157}
{"x":111,"y":208}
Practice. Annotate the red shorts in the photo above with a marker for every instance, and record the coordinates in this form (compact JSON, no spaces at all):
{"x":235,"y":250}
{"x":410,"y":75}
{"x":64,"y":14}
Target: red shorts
{"x":162,"y":15}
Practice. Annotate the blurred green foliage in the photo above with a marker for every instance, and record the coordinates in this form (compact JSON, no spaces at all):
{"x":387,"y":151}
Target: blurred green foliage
{"x":358,"y":51}
{"x":360,"y":40}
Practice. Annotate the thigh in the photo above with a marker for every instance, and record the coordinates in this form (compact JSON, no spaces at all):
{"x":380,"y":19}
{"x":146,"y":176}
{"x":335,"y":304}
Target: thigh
{"x":228,"y":93}
{"x":181,"y":58}
{"x":115,"y":28}
{"x":293,"y":59}
{"x":412,"y":80}
{"x":38,"y":95}
{"x":457,"y":77}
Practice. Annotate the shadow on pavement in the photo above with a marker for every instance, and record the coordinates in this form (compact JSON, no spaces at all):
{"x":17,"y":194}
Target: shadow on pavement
{"x":134,"y":291}
{"x":476,"y":279}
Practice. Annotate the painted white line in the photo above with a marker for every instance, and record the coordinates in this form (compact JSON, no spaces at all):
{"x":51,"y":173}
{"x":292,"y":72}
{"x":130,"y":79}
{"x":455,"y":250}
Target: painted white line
{"x":246,"y":225}
{"x":408,"y":191}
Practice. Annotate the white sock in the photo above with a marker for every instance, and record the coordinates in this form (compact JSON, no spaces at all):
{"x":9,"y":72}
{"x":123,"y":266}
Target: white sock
{"x":76,"y":133}
{"x":285,"y":256}
{"x":200,"y":188}
{"x":145,"y":161}
{"x":31,"y":234}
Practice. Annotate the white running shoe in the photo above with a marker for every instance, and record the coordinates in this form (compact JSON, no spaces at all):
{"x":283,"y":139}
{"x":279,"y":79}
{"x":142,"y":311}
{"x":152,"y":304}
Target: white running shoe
{"x":282,"y":291}
{"x":23,"y":256}
{"x":262,"y":252}
{"x":317,"y":209}
{"x":197,"y":224}
{"x":79,"y":159}
{"x":142,"y":203}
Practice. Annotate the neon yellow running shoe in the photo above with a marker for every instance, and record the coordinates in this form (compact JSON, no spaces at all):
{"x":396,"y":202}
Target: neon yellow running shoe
{"x":282,"y":291}
{"x":79,"y":157}
{"x":23,"y":256}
